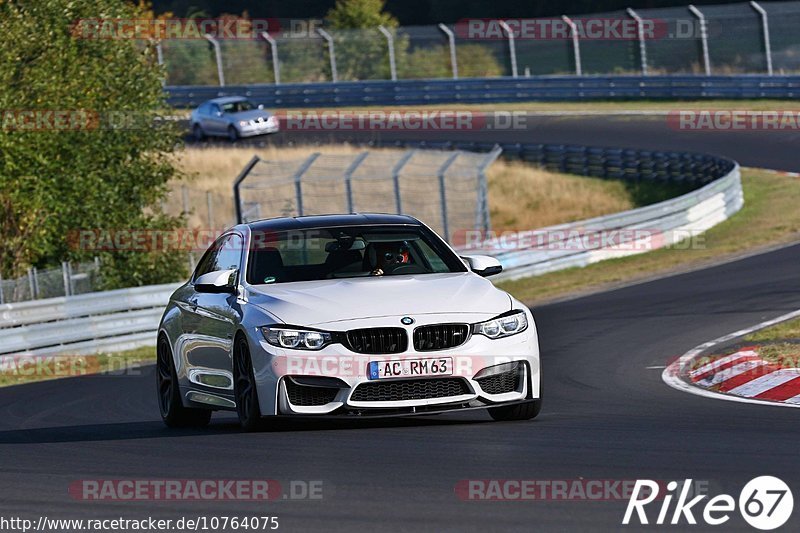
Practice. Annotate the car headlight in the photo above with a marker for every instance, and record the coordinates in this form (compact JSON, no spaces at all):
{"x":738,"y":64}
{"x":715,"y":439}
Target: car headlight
{"x":296,"y":339}
{"x":243,"y":123}
{"x":504,"y":325}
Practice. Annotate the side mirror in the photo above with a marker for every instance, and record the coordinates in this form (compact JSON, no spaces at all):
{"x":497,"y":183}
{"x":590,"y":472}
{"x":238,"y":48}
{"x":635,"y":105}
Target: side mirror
{"x":483,"y":265}
{"x":220,"y":282}
{"x":219,"y":113}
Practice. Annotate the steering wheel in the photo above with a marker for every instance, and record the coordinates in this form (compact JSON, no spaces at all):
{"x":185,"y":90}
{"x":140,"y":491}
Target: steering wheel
{"x":407,"y":269}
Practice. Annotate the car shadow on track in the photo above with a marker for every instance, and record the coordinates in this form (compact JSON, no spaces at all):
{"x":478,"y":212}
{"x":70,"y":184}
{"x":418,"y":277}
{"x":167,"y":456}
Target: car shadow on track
{"x":155,"y":429}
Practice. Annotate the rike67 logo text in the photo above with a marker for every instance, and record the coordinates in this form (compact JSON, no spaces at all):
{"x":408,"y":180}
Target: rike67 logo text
{"x":765,"y":503}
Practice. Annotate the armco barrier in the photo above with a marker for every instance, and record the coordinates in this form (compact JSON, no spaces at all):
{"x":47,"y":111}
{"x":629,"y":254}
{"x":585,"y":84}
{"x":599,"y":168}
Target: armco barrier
{"x":492,"y":90}
{"x":123,"y":319}
{"x":87,"y":323}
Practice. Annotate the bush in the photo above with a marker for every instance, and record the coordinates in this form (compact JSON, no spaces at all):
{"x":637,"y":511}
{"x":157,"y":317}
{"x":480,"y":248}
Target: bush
{"x":99,"y":173}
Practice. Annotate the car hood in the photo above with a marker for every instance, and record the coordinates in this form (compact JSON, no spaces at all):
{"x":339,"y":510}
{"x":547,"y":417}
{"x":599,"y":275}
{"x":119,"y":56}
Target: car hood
{"x":250,"y":115}
{"x":318,"y":302}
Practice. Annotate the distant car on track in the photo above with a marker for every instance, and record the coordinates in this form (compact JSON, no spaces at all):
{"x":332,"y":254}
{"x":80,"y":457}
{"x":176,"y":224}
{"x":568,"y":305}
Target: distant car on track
{"x":233,"y":117}
{"x":343,"y":316}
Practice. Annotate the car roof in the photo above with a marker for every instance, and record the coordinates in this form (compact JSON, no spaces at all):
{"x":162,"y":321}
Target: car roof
{"x":226,"y":99}
{"x":331,"y":221}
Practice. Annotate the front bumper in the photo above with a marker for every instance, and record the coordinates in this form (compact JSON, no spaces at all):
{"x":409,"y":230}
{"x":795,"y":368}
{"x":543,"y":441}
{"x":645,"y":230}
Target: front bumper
{"x":260,"y":128}
{"x":335,"y":381}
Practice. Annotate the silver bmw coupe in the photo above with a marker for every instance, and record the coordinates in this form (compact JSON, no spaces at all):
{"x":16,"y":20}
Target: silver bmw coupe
{"x":343,"y":316}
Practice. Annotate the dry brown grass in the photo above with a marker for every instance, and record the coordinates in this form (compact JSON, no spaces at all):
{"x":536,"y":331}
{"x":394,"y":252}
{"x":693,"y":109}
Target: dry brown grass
{"x":520,"y":196}
{"x":524,"y":197}
{"x":214,"y":169}
{"x":769,"y":217}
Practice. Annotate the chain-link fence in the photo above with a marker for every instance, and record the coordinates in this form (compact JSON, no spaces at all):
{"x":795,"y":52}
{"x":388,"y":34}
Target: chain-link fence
{"x":203,"y":209}
{"x":446,"y":189}
{"x":71,"y":279}
{"x":749,"y":37}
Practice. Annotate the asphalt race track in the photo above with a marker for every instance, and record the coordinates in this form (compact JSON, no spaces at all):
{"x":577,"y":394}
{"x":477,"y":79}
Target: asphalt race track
{"x":765,"y":149}
{"x":606,"y":414}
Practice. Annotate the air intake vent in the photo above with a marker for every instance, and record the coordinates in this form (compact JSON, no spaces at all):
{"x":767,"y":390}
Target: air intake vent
{"x":377,"y":340}
{"x":440,"y":336}
{"x":410,"y":389}
{"x":303,"y":395}
{"x":501,"y":383}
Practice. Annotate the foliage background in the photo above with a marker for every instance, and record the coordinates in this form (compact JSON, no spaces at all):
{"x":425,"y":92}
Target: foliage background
{"x":56,"y":181}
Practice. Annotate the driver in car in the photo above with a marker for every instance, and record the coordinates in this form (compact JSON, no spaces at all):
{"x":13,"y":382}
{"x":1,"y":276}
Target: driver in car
{"x":387,"y":256}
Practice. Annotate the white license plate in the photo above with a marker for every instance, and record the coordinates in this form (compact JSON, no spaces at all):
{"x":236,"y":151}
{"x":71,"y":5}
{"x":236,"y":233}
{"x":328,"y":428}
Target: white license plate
{"x":406,"y":368}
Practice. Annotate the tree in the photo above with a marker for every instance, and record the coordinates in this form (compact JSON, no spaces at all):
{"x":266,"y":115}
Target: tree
{"x":361,"y":50}
{"x":102,"y":166}
{"x":355,"y":14}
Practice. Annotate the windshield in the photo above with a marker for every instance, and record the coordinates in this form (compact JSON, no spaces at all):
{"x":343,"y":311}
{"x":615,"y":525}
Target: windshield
{"x":236,"y":107}
{"x":347,"y":252}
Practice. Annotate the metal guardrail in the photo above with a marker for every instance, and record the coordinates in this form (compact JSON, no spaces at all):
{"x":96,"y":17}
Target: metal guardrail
{"x":493,"y":90}
{"x":127,"y":318}
{"x":85,"y":323}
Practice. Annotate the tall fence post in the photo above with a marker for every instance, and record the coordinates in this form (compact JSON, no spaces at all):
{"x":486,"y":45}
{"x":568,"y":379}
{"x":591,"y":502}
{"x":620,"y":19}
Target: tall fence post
{"x":298,"y":181}
{"x":218,"y":56}
{"x":451,"y":38}
{"x":184,"y":200}
{"x":512,"y":49}
{"x":765,"y":30}
{"x":331,"y":53}
{"x":703,"y":37}
{"x":576,"y":44}
{"x":160,"y":59}
{"x":390,"y":44}
{"x":65,"y":277}
{"x":642,"y":46}
{"x":443,"y":193}
{"x":237,"y":196}
{"x":348,"y":175}
{"x":2,"y":291}
{"x":33,"y":281}
{"x":72,"y":276}
{"x":482,"y":219}
{"x":209,"y":209}
{"x":273,"y":47}
{"x":398,"y":167}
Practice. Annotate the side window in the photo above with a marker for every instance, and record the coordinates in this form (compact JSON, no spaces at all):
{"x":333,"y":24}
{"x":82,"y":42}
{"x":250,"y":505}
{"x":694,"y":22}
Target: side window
{"x":206,"y":263}
{"x":229,"y":256}
{"x":224,"y":254}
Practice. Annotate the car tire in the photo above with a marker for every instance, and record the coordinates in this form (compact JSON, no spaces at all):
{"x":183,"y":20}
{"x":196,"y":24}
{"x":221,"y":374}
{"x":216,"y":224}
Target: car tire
{"x":173,"y":412}
{"x":244,"y":387}
{"x":524,"y":411}
{"x":233,"y":135}
{"x":197,"y":133}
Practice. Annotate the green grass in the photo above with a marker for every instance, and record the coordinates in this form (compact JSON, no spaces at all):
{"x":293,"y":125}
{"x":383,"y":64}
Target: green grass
{"x":769,"y":217}
{"x":779,"y":343}
{"x":26,"y":369}
{"x":783,"y":331}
